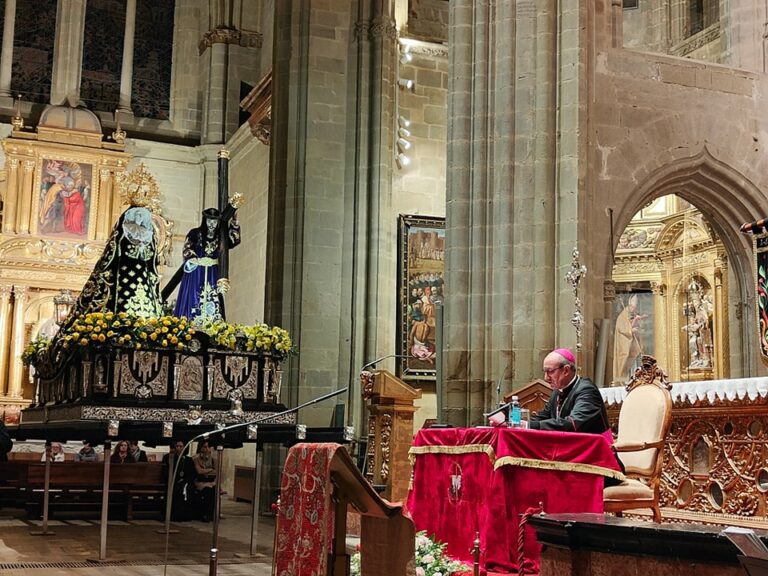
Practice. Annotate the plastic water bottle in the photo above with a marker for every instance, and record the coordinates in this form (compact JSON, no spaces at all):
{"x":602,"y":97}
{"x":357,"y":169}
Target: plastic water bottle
{"x":515,"y":415}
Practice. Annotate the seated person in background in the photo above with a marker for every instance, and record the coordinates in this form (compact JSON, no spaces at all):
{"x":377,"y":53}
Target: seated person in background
{"x":138,"y":454}
{"x":86,"y":453}
{"x":6,"y":444}
{"x":56,"y":453}
{"x":182,"y":482}
{"x":205,"y":480}
{"x":576,"y":404}
{"x":121,"y":455}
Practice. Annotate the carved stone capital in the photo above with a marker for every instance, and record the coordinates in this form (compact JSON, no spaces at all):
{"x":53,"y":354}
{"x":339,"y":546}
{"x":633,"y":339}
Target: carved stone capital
{"x":609,"y":291}
{"x":20,"y":292}
{"x":5,"y":292}
{"x":659,"y":288}
{"x":262,"y":132}
{"x":375,"y":29}
{"x":230,"y":36}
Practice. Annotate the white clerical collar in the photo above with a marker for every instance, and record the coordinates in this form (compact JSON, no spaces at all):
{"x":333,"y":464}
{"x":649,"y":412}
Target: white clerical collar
{"x":567,"y":389}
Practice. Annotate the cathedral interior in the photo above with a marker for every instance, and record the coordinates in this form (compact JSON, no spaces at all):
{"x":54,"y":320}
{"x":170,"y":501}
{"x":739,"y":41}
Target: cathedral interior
{"x":455,"y":187}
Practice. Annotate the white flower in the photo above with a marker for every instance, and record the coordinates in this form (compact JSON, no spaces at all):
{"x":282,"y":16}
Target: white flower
{"x":429,"y":558}
{"x":420,"y":571}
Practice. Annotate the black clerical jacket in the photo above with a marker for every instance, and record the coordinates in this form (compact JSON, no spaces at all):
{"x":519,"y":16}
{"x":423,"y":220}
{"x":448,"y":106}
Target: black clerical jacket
{"x":582,"y":410}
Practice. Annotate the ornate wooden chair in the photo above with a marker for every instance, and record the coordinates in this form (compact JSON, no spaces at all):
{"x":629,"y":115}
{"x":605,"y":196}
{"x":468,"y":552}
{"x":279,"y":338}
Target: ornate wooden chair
{"x":644,"y":421}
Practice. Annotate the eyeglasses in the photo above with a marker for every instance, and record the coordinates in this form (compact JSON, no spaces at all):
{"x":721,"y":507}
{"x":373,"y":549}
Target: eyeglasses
{"x":548,"y":371}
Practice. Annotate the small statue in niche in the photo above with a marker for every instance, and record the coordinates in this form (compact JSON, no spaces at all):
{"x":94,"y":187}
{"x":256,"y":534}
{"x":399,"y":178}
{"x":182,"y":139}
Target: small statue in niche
{"x":698,"y":313}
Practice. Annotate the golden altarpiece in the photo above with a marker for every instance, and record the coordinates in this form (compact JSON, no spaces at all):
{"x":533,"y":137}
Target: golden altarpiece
{"x":60,"y":197}
{"x":671,"y":253}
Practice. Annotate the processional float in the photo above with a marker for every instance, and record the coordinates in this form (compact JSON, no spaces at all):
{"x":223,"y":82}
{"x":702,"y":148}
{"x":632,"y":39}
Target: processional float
{"x":121,"y":366}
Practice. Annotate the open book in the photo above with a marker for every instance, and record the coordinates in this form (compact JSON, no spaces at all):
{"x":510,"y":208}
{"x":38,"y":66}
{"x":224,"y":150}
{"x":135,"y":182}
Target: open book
{"x":746,"y":541}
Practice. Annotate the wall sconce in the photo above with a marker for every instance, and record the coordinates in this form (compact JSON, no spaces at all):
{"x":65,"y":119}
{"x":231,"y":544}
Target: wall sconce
{"x":119,"y":134}
{"x":402,"y":160}
{"x":62,"y":305}
{"x":406,"y":84}
{"x":17,"y":121}
{"x":406,"y":55}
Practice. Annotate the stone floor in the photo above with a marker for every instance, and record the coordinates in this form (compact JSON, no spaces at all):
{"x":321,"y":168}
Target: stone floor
{"x":135,"y":548}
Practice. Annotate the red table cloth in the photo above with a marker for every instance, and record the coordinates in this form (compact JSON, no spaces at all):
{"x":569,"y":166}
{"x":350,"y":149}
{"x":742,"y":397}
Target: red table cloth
{"x":468,"y":480}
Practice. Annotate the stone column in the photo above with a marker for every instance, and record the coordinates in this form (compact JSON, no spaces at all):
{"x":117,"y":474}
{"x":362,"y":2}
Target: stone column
{"x":16,"y":370}
{"x":12,"y":197}
{"x":104,"y":209}
{"x":721,"y":353}
{"x":5,"y":341}
{"x":6,"y":57}
{"x":68,"y":52}
{"x":504,"y":268}
{"x":126,"y":72}
{"x":24,"y":215}
{"x":660,"y":343}
{"x":330,"y":187}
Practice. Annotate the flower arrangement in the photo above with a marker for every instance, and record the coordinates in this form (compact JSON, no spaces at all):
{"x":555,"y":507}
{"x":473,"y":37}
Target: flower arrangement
{"x":33,"y":350}
{"x":272,"y":339}
{"x":107,"y":329}
{"x":110,"y":329}
{"x":431,"y":559}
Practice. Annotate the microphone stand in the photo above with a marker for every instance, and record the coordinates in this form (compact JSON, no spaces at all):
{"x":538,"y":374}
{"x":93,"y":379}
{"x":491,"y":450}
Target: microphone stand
{"x":213,"y":559}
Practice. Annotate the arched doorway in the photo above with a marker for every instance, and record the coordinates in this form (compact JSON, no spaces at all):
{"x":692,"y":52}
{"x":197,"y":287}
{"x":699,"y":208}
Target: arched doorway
{"x":672,"y":284}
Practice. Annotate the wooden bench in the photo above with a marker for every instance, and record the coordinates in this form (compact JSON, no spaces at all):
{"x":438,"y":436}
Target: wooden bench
{"x":77,"y":487}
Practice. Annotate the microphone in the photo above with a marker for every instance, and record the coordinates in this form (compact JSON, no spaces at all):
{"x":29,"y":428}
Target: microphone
{"x":498,"y":389}
{"x":374,"y":362}
{"x":207,"y":435}
{"x":501,"y":408}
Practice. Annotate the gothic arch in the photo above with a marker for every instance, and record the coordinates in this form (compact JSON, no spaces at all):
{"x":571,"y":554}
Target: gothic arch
{"x":727,"y":199}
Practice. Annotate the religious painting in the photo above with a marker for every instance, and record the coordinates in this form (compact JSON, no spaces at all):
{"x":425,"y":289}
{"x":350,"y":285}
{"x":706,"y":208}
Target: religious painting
{"x":64,"y":198}
{"x":421,"y":257}
{"x":633,"y":333}
{"x":761,"y":288}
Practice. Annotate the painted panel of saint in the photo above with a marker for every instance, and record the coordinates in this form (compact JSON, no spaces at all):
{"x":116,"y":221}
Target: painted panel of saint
{"x":65,"y":198}
{"x":422,"y":260}
{"x":633,"y":332}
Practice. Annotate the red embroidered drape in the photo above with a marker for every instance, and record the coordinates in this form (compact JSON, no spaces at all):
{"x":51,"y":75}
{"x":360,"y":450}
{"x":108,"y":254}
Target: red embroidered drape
{"x":305,"y":518}
{"x":480,"y":479}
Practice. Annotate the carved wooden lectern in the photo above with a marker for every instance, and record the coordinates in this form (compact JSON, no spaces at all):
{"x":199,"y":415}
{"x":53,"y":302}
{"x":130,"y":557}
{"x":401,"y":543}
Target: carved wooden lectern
{"x":390,"y":431}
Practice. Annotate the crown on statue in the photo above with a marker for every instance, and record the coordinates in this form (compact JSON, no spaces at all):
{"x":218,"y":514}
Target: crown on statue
{"x":138,"y":188}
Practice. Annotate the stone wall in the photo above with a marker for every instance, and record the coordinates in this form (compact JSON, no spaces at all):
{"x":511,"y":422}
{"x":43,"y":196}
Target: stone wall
{"x":663,"y":28}
{"x":668,"y":124}
{"x":419,"y":187}
{"x":249,"y":175}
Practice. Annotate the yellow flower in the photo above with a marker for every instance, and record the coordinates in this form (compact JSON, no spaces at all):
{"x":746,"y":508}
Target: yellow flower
{"x":174,"y":340}
{"x":164,"y":330}
{"x":94,"y":336}
{"x":75,"y":335}
{"x":153,"y":336}
{"x":110,"y":334}
{"x":138,"y":345}
{"x":153,"y":321}
{"x":165,"y":343}
{"x":83,"y":342}
{"x":188,"y":337}
{"x":102,"y":337}
{"x":122,"y":315}
{"x":143,"y":335}
{"x":127,"y":337}
{"x":97,"y":328}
